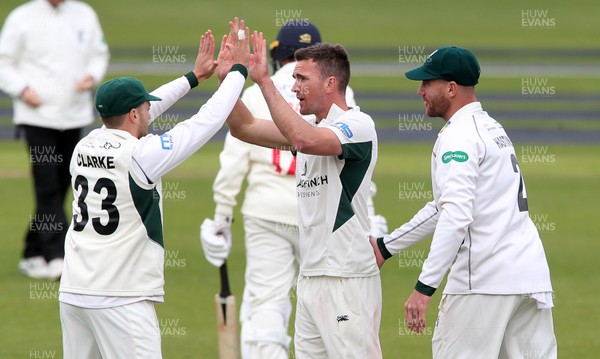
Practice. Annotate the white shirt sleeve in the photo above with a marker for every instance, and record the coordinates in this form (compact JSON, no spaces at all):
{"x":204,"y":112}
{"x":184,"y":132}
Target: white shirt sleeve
{"x":170,"y":93}
{"x":98,"y":53}
{"x":456,"y":182}
{"x":420,"y":227}
{"x":235,"y":163}
{"x":157,"y":155}
{"x":11,"y":43}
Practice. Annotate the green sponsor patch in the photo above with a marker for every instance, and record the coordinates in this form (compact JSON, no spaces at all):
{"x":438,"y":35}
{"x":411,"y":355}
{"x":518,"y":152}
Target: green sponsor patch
{"x":458,"y":156}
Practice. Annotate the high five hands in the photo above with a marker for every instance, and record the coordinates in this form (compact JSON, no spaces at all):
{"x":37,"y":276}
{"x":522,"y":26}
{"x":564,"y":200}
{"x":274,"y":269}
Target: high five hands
{"x":235,"y":49}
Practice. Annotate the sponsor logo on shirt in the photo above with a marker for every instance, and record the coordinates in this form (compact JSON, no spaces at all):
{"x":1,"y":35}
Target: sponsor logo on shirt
{"x":108,"y":145}
{"x":342,"y":318}
{"x":344,"y":128}
{"x":458,"y":156}
{"x":166,"y":142}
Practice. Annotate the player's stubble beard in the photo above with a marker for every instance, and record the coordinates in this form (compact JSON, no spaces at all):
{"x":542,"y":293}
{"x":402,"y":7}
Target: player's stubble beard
{"x":436,"y":105}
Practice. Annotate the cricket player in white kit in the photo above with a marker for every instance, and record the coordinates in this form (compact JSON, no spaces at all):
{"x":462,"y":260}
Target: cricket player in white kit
{"x":114,"y":261}
{"x":498,"y":297}
{"x":270,"y":209}
{"x":339,"y":288}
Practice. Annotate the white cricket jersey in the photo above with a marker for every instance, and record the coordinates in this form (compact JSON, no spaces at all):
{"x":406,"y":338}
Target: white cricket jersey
{"x":114,"y":246}
{"x":270,"y":173}
{"x":479,"y":219}
{"x":332,"y":199}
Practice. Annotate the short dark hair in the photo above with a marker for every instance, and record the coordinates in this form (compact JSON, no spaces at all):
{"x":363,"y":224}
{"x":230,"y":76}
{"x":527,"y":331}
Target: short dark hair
{"x":113,"y":121}
{"x":332,"y":60}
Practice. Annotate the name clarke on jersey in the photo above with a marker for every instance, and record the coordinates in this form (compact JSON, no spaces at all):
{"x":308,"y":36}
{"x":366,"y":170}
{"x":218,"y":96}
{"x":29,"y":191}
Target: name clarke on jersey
{"x":106,"y":162}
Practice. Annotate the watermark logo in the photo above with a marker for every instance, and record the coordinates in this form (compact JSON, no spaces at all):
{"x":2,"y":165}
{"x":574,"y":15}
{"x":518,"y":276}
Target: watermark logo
{"x":537,"y":19}
{"x":413,"y":122}
{"x":535,"y":354}
{"x":164,"y":123}
{"x":405,"y":331}
{"x":410,"y":54}
{"x":537,"y":87}
{"x":413,"y":191}
{"x":411,"y":258}
{"x":292,"y":17}
{"x":44,"y":155}
{"x":45,"y":223}
{"x":43,"y":291}
{"x":171,"y":327}
{"x":167,"y":54}
{"x":172,"y":191}
{"x":42,"y":354}
{"x":543,"y":223}
{"x":173,"y":260}
{"x":284,"y":223}
{"x":537,"y":155}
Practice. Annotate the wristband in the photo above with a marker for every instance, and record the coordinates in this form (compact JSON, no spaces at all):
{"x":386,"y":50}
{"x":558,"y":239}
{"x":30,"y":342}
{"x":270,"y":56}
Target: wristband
{"x":191,"y":79}
{"x":241,"y":68}
{"x":424,"y":289}
{"x":384,"y":252}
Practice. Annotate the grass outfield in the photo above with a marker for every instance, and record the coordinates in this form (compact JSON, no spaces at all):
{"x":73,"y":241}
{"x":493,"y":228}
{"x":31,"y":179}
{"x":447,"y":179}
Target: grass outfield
{"x":562,"y":185}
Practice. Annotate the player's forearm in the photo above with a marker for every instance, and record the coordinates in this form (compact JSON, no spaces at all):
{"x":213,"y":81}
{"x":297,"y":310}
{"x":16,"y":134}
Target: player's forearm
{"x":420,"y":227}
{"x":291,"y":125}
{"x":245,"y":127}
{"x":170,"y":93}
{"x":450,"y":234}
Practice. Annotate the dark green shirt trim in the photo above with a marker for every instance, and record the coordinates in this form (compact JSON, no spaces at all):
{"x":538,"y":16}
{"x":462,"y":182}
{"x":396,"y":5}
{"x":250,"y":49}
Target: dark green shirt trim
{"x":241,"y":68}
{"x":358,"y":159}
{"x":147,"y":204}
{"x":191,"y":79}
{"x":424,"y":289}
{"x":384,"y":252}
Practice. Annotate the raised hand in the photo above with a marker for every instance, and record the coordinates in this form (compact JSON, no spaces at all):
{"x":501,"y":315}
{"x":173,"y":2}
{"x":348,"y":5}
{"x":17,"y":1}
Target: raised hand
{"x":235,"y":48}
{"x":205,"y":64}
{"x":259,"y":64}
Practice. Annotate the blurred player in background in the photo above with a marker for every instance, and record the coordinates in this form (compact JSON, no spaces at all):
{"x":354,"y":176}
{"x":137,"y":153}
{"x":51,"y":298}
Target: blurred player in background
{"x":270,"y":209}
{"x":498,"y":297}
{"x":114,"y":260}
{"x":51,"y":54}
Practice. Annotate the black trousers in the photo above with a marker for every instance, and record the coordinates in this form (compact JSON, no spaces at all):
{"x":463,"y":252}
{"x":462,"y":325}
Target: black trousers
{"x":50,"y":153}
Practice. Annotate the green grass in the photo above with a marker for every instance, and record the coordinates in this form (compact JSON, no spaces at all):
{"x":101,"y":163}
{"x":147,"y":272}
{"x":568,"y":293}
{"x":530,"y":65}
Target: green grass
{"x":561,"y":190}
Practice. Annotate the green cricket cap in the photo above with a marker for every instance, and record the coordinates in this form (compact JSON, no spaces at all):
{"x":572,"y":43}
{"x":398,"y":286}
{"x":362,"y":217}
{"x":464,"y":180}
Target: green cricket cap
{"x":118,"y":96}
{"x":451,"y":63}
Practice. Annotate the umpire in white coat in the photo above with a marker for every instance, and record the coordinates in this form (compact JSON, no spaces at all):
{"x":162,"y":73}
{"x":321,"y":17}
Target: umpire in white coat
{"x":51,"y":54}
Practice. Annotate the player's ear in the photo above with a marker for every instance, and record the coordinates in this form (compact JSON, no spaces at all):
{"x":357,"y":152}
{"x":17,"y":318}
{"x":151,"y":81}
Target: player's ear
{"x":330,"y":84}
{"x":133,"y":115}
{"x":452,"y":89}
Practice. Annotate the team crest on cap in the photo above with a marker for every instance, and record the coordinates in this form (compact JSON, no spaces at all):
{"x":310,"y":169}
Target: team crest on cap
{"x":305,"y":38}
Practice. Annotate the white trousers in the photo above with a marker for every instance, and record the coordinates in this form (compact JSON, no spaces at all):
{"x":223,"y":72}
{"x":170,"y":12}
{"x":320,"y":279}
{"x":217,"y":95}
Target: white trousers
{"x":493,"y":326}
{"x":271,"y":272}
{"x":124,"y":332}
{"x":338,"y":317}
